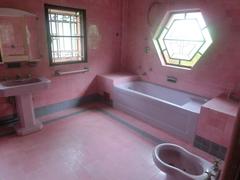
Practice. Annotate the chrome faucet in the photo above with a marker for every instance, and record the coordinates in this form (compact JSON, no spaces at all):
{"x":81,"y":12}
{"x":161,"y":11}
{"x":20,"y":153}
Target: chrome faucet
{"x":214,"y":172}
{"x":209,"y":175}
{"x":216,"y":165}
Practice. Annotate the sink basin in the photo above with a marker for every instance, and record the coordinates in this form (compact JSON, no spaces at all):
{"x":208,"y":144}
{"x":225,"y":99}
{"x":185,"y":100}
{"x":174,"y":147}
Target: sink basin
{"x":23,"y":86}
{"x":22,"y":89}
{"x":20,"y":82}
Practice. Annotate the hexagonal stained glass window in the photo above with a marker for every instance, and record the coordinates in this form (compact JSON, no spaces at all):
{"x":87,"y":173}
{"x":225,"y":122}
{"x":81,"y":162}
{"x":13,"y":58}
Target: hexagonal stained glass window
{"x":182,"y":38}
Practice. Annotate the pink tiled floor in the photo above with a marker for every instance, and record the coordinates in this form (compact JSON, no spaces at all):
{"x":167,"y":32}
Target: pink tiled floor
{"x":87,"y":146}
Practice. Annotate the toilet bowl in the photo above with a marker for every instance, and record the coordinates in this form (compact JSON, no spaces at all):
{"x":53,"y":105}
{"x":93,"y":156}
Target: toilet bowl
{"x":179,"y":164}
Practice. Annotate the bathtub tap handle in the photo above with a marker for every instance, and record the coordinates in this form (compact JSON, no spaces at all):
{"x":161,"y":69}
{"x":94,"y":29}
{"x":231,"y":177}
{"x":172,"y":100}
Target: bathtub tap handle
{"x":216,"y":164}
{"x":209,"y":175}
{"x":214,"y":172}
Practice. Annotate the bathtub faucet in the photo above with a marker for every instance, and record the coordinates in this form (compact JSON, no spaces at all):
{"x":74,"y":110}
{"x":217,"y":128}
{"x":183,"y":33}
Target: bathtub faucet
{"x":214,"y":172}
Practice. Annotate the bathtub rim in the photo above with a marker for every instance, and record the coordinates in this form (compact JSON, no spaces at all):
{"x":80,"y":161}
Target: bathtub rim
{"x":205,"y":98}
{"x":122,"y":87}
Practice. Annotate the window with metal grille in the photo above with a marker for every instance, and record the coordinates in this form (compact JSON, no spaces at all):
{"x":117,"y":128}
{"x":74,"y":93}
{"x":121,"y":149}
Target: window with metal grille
{"x":66,"y":30}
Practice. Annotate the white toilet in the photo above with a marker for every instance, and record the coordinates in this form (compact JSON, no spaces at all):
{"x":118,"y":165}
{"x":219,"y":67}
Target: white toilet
{"x":179,"y":164}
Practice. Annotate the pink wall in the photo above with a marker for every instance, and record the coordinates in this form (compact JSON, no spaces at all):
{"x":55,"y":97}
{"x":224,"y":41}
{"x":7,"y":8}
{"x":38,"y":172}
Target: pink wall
{"x":217,"y":71}
{"x":103,"y":56}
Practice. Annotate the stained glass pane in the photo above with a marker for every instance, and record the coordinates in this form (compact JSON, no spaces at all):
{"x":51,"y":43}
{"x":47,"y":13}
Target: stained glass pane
{"x":182,"y":49}
{"x":199,"y":17}
{"x":185,"y":30}
{"x":193,"y":62}
{"x":169,"y":60}
{"x":173,"y":18}
{"x":160,"y":40}
{"x":184,"y":39}
{"x":208,"y":42}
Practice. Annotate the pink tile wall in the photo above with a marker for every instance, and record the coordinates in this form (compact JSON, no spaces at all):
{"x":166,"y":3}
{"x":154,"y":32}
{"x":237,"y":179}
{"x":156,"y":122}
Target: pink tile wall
{"x":105,"y":83}
{"x":217,"y":71}
{"x":105,"y":58}
{"x":215,"y":126}
{"x":217,"y":120}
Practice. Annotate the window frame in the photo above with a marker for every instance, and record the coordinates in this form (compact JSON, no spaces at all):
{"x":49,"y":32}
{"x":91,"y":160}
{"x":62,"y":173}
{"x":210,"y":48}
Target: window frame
{"x":83,"y":27}
{"x":159,"y":31}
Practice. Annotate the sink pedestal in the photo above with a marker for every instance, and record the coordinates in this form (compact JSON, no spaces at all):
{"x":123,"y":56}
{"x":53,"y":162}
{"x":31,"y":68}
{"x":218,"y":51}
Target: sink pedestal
{"x":22,"y":90}
{"x":28,"y":123}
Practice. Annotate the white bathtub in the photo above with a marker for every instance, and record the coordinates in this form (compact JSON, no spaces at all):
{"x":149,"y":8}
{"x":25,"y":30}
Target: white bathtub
{"x":173,"y":111}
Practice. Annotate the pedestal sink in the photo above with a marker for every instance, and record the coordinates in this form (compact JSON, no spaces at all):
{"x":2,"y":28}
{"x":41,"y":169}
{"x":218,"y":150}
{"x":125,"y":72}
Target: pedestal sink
{"x":23,"y":90}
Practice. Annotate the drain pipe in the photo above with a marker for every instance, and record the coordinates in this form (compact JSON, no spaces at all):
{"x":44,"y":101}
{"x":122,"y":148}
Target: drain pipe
{"x":11,"y":119}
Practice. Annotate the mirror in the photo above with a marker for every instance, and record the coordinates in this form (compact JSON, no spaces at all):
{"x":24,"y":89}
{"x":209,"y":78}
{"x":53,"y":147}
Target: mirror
{"x":18,"y":36}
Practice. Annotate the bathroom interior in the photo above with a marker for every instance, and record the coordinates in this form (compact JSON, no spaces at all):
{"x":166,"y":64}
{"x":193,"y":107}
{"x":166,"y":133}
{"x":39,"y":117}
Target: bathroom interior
{"x":119,"y":89}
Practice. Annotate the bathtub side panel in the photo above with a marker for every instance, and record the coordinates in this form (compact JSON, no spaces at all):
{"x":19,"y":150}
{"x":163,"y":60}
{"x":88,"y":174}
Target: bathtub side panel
{"x":172,"y":119}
